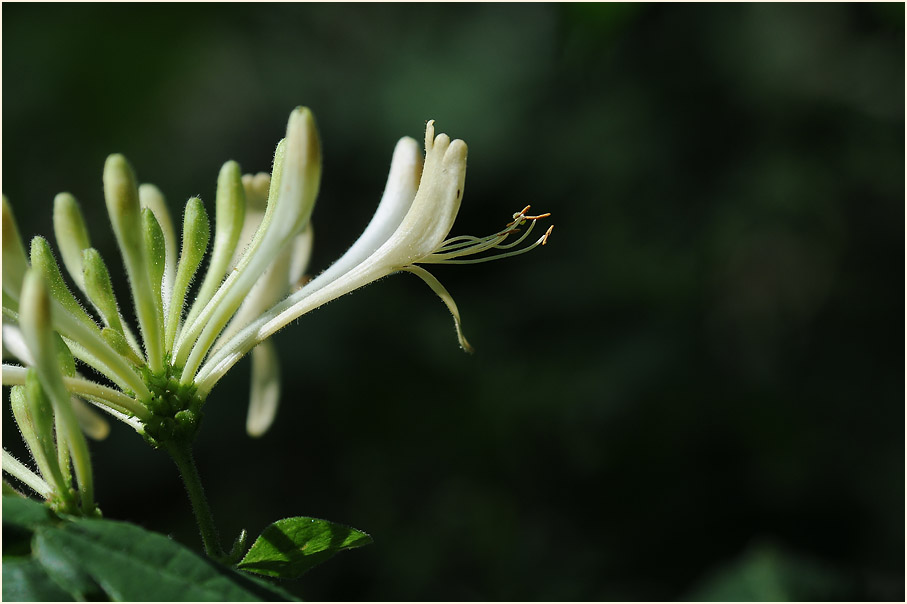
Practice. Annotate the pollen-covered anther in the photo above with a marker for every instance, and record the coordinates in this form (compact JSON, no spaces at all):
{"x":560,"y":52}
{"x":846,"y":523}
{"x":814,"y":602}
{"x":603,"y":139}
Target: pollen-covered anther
{"x":521,"y":216}
{"x":547,"y":234}
{"x":523,"y":211}
{"x":545,"y":215}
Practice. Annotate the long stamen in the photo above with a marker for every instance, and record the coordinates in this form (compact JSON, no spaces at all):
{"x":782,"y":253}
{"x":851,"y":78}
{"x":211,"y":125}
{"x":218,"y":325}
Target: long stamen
{"x":521,"y":239}
{"x":541,"y":241}
{"x":465,"y":245}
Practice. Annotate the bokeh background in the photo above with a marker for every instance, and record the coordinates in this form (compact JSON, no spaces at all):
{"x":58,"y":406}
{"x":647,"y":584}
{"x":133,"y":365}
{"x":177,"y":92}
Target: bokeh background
{"x":695,"y":391}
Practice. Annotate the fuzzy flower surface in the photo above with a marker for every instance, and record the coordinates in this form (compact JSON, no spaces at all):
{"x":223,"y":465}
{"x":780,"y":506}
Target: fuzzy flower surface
{"x":78,"y":354}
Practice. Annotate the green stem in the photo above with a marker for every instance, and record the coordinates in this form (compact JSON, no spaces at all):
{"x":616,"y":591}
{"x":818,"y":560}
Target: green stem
{"x":185,"y":463}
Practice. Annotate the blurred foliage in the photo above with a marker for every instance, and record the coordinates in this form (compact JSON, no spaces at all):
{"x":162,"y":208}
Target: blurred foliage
{"x":766,"y":573}
{"x":706,"y":356}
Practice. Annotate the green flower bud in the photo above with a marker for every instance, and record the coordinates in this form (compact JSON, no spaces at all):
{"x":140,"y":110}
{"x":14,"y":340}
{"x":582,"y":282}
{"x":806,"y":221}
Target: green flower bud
{"x":121,"y":346}
{"x":41,"y":415}
{"x":72,"y":235}
{"x":294,"y":191}
{"x":42,"y":259}
{"x":151,"y":197}
{"x":280,"y":154}
{"x":156,"y":248}
{"x":122,"y":197}
{"x":15,"y":262}
{"x":230,"y":215}
{"x":35,"y":320}
{"x":99,"y":289}
{"x":196,"y":232}
{"x":41,"y":448}
{"x":65,"y":360}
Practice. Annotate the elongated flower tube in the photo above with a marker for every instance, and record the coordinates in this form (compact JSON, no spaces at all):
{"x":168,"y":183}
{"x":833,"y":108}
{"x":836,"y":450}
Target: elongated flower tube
{"x":158,"y":377}
{"x":409,"y":228}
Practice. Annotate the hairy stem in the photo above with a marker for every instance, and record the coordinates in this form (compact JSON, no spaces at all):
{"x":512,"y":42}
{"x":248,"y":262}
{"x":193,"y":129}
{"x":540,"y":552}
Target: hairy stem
{"x":185,"y":463}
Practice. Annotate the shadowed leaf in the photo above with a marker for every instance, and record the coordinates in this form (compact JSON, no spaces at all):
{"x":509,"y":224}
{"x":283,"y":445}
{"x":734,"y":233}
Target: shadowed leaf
{"x":290,"y":547}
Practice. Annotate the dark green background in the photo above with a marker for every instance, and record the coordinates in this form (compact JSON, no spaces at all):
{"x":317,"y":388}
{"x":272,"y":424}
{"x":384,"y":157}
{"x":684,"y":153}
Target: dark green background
{"x":694,"y":391}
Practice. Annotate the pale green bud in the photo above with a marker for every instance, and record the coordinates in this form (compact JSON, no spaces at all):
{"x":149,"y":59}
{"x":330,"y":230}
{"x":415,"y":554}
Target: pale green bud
{"x":42,"y":259}
{"x":72,"y":235}
{"x":121,"y":346}
{"x":15,"y":262}
{"x":231,"y":206}
{"x":65,"y":360}
{"x":156,"y":249}
{"x":99,"y":289}
{"x":151,"y":197}
{"x":35,"y":321}
{"x":122,"y":197}
{"x":41,"y":414}
{"x":196,"y":232}
{"x":36,"y":328}
{"x":280,"y":154}
{"x":41,"y":448}
{"x":230,"y":216}
{"x":297,"y":182}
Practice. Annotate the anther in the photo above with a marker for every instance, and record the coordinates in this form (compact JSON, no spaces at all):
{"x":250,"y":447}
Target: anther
{"x":545,"y":215}
{"x":522,"y":212}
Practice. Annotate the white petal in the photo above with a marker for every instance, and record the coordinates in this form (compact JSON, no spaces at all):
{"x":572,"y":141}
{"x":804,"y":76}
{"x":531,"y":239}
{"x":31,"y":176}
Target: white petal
{"x":265,"y":393}
{"x":300,"y":254}
{"x":91,"y":422}
{"x":249,"y":228}
{"x":273,"y":285}
{"x":14,"y":342}
{"x":399,"y":193}
{"x":435,"y":207}
{"x":424,"y":227}
{"x":400,"y":190}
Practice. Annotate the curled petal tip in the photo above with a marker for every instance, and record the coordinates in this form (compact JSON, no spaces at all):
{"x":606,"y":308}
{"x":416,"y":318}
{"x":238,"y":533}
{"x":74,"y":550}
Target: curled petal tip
{"x":440,"y":144}
{"x":429,"y":134}
{"x":456,"y":152}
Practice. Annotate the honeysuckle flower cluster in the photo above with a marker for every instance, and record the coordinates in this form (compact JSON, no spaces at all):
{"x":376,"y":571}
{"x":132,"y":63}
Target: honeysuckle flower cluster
{"x":75,"y":358}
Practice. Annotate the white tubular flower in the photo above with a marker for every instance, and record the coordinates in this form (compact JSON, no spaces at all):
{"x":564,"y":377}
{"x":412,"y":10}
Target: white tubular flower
{"x":159,"y":375}
{"x":409,"y":227}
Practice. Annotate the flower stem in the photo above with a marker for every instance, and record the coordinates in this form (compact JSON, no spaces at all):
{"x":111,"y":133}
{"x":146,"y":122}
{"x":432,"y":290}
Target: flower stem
{"x":182,"y":456}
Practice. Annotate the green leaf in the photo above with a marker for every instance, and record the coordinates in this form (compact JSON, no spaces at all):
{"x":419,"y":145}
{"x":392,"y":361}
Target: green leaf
{"x":66,"y":573}
{"x":290,"y":547}
{"x":132,"y":564}
{"x":77,"y":558}
{"x":24,"y":580}
{"x":25,"y":514}
{"x":20,"y":517}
